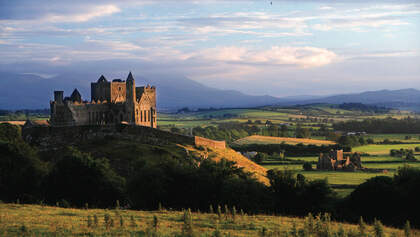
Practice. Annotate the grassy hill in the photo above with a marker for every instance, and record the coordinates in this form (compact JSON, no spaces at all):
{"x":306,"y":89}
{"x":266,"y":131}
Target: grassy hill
{"x":37,"y":220}
{"x":231,"y":155}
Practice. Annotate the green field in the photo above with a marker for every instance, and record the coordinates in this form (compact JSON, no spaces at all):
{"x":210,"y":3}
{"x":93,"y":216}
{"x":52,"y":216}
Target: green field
{"x":383,"y":149}
{"x":394,"y":137}
{"x":337,"y":177}
{"x":391,"y":166}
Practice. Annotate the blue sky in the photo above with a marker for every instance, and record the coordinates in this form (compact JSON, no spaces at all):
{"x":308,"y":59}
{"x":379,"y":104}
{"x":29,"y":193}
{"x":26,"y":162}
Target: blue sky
{"x":282,"y":49}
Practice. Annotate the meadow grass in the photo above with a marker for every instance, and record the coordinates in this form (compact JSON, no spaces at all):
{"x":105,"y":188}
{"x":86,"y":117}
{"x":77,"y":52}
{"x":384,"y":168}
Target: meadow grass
{"x":393,"y":166}
{"x":340,"y":177}
{"x":383,"y":148}
{"x":380,"y":158}
{"x":394,"y":137}
{"x":35,"y":220}
{"x":285,"y":166}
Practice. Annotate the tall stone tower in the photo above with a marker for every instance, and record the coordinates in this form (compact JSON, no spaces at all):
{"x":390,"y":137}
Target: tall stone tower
{"x":130,"y":98}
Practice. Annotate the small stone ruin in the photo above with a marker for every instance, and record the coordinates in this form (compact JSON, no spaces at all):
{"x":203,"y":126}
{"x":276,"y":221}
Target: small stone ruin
{"x":335,"y":160}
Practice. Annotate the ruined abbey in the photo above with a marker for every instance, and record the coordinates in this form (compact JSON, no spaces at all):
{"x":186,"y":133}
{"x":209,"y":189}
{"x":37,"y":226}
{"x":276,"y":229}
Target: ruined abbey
{"x":334,"y":160}
{"x":112,"y":102}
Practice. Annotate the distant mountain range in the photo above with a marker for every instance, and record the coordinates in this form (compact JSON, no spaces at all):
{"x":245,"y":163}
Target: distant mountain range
{"x":28,"y":91}
{"x":402,"y":99}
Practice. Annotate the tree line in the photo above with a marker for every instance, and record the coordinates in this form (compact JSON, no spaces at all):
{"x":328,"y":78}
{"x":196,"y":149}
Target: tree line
{"x":387,"y":125}
{"x":287,"y":149}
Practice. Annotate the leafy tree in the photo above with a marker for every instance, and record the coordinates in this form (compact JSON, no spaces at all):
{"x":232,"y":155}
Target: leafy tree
{"x":296,"y":195}
{"x":307,"y":166}
{"x":302,"y":132}
{"x":21,"y":172}
{"x":79,"y":178}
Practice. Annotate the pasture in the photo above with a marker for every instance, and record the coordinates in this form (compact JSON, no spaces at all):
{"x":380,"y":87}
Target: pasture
{"x":405,"y":138}
{"x":37,"y":220}
{"x":383,"y":149}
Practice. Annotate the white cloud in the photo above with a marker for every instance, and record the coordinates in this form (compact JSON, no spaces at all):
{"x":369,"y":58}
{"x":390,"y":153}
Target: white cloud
{"x":304,"y":57}
{"x":326,"y":8}
{"x":355,"y":25}
{"x":385,"y":54}
{"x":96,"y":11}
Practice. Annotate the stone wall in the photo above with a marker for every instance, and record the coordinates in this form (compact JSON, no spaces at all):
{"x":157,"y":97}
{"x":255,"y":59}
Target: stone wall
{"x":118,"y":92}
{"x":201,"y":141}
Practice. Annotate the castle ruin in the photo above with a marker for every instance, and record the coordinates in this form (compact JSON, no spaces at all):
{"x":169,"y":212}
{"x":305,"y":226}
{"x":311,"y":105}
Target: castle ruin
{"x":334,"y":160}
{"x":112,"y":102}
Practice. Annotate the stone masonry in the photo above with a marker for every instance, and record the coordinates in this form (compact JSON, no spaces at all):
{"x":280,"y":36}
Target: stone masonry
{"x":112,"y":102}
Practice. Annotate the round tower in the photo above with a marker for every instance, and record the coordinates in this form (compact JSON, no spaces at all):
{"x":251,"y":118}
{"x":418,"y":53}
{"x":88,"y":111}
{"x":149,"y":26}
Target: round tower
{"x":130,"y":98}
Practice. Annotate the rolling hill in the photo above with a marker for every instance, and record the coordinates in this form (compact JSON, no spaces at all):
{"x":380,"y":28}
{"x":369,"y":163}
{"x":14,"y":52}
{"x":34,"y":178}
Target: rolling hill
{"x":400,"y":99}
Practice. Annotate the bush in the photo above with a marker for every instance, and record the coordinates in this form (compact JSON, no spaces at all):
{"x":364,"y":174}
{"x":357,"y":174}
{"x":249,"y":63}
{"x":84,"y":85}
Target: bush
{"x":370,"y":198}
{"x":370,"y":141}
{"x":307,"y":166}
{"x":21,"y":171}
{"x":79,"y":178}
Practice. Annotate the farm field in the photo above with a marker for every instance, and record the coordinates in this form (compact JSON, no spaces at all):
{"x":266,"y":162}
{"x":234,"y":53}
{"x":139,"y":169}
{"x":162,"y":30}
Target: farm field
{"x":390,"y":166}
{"x":382,"y":149}
{"x":365,"y":159}
{"x":309,"y":117}
{"x":394,"y":137}
{"x":256,"y":139}
{"x":276,"y":115}
{"x":35,"y":220}
{"x":337,"y":177}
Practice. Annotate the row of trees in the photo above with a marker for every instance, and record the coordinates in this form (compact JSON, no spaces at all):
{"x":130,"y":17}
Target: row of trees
{"x":388,"y":125}
{"x":288,"y":150}
{"x":234,"y":130}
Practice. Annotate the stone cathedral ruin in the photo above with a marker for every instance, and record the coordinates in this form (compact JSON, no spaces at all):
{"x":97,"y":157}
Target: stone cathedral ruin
{"x":112,"y":102}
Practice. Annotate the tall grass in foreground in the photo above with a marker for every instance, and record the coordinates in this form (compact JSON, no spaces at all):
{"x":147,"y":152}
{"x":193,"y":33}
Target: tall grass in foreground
{"x":34,"y":220}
